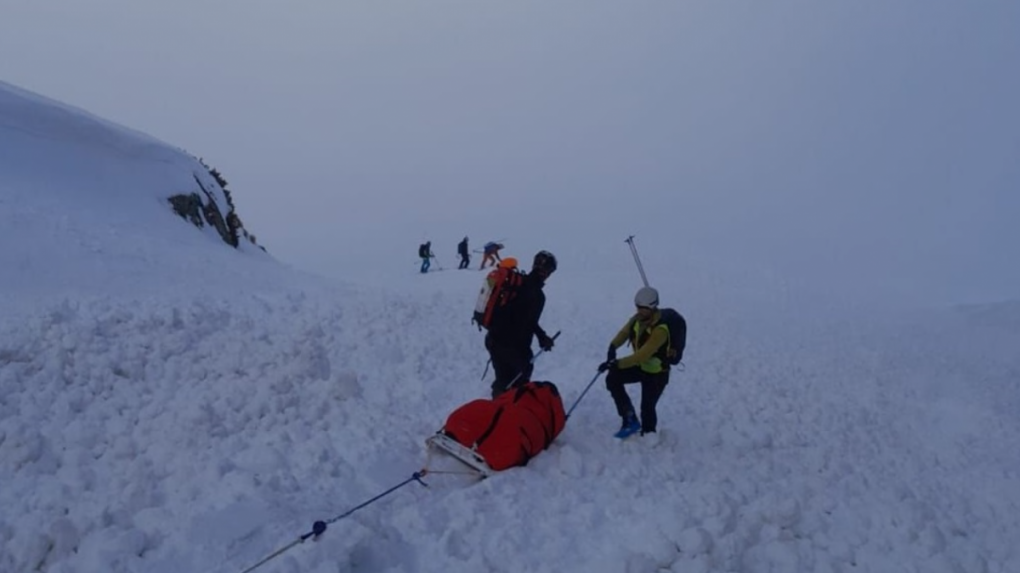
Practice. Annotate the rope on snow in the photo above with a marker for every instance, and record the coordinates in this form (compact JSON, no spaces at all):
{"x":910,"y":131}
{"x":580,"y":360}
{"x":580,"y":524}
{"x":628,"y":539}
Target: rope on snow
{"x":319,"y":527}
{"x":586,"y":388}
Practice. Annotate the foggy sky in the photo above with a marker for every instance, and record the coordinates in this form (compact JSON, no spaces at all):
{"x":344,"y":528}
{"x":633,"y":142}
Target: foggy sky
{"x":830,"y":140}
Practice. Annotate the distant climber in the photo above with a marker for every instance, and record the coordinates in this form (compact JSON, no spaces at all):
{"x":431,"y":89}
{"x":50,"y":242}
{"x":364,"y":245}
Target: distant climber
{"x":425,"y":252}
{"x":462,"y":250}
{"x":490,"y":254}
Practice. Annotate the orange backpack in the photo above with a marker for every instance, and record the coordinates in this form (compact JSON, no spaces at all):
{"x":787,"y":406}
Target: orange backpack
{"x":499,"y":289}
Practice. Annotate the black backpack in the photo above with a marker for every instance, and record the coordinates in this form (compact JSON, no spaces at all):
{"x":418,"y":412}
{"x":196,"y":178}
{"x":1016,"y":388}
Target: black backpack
{"x":423,"y":250}
{"x":677,"y":326}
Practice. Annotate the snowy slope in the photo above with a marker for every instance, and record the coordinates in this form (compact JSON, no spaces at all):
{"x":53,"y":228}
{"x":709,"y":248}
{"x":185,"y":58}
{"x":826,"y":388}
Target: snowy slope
{"x":169,"y":404}
{"x":85,"y":200}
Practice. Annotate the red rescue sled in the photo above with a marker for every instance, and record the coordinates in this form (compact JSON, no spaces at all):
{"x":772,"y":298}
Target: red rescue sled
{"x":494,"y":435}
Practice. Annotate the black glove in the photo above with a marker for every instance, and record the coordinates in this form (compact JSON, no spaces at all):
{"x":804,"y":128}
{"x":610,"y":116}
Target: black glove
{"x":607,"y":365}
{"x":611,"y":355}
{"x":545,"y":343}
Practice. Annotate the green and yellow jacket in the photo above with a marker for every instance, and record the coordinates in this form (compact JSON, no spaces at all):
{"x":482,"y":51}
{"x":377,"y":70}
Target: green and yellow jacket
{"x":649,"y":340}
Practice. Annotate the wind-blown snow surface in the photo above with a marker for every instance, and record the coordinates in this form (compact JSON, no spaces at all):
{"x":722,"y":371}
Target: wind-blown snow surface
{"x":169,"y":404}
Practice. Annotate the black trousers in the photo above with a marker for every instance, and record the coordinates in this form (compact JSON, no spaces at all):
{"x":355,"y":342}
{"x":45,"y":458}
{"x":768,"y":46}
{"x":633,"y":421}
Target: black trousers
{"x":652,"y":386}
{"x":508,"y":360}
{"x":465,"y":260}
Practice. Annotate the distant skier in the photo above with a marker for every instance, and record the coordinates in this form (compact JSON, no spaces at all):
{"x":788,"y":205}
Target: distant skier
{"x":490,"y":254}
{"x":648,"y":365}
{"x":425,"y":252}
{"x":462,"y":250}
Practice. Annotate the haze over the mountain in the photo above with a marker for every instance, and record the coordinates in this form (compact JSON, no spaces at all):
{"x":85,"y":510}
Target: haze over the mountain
{"x":826,"y":191}
{"x":864,"y":147}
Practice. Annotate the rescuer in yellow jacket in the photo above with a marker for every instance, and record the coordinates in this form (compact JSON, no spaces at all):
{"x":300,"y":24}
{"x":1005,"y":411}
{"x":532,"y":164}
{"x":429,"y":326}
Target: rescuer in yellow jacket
{"x":647,"y":365}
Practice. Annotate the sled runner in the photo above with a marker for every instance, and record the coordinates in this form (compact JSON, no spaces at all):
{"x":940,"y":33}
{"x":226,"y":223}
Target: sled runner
{"x":470,"y":458}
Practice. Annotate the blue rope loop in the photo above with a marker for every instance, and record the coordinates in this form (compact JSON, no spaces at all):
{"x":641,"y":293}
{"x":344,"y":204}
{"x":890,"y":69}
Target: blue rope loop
{"x":318,"y":528}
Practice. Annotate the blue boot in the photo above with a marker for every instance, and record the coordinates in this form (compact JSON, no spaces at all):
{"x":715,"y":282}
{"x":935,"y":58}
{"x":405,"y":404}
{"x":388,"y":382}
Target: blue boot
{"x":630,"y":426}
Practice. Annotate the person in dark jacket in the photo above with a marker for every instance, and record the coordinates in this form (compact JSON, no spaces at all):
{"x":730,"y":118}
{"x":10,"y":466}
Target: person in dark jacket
{"x":509,"y":338}
{"x":462,"y":250}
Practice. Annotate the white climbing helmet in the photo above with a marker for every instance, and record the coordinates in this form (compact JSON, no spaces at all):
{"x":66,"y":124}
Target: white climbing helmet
{"x":647,"y":297}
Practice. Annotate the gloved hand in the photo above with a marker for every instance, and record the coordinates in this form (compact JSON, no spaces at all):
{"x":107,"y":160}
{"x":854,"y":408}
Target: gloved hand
{"x":607,"y":365}
{"x":546,"y":343}
{"x":611,"y":355}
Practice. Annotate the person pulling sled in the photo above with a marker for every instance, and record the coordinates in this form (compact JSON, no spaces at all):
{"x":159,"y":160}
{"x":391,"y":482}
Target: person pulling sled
{"x":509,"y":307}
{"x":658,"y":338}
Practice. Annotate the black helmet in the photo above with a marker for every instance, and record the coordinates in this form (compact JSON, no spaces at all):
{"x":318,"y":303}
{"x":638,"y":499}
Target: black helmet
{"x":544,"y":260}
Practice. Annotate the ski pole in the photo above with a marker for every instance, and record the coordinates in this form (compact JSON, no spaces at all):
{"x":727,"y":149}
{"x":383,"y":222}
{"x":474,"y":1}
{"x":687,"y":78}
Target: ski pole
{"x":637,"y":259}
{"x":586,"y":388}
{"x":532,"y":361}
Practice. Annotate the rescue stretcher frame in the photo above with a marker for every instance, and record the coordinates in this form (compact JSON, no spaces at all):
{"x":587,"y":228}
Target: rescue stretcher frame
{"x":467,"y":456}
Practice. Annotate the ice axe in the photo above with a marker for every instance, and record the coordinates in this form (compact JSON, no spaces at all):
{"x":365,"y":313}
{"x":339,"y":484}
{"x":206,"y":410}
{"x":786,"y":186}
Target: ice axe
{"x":637,"y":259}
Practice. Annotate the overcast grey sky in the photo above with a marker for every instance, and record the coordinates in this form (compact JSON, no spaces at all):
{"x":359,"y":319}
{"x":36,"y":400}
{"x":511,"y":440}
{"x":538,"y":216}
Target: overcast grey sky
{"x":834,"y":139}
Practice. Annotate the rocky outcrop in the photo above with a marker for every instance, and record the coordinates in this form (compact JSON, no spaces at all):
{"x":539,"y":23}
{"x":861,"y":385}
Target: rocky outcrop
{"x":201,"y":208}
